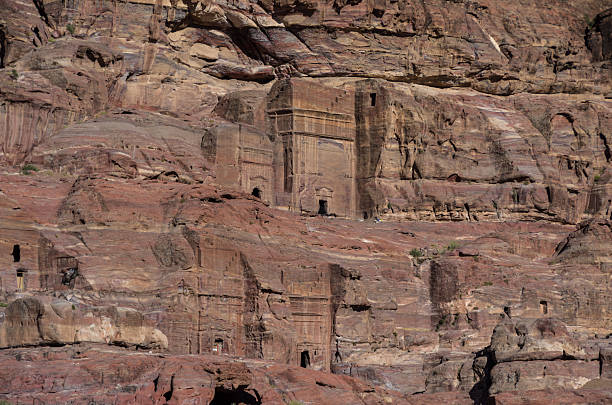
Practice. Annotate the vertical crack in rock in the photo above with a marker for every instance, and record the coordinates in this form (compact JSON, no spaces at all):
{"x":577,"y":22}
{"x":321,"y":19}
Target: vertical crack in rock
{"x":253,"y":327}
{"x":3,"y":46}
{"x":168,"y":394}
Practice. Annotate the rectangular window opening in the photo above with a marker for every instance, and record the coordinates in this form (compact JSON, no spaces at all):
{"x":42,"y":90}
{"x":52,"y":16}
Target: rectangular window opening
{"x":544,"y":307}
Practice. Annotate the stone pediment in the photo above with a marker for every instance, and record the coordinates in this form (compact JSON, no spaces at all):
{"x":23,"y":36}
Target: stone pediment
{"x":324,"y":192}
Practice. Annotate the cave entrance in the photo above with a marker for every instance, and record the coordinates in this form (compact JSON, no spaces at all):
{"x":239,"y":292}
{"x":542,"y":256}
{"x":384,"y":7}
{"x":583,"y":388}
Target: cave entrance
{"x":225,"y":396}
{"x":305,"y":359}
{"x":256,"y":192}
{"x":372,"y":99}
{"x":16,"y":253}
{"x":217,"y":346}
{"x":322,"y":207}
{"x":544,"y":307}
{"x":21,"y":279}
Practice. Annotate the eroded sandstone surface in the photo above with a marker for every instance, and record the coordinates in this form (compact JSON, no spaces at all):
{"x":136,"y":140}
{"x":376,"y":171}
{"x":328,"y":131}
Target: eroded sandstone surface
{"x":273,"y":202}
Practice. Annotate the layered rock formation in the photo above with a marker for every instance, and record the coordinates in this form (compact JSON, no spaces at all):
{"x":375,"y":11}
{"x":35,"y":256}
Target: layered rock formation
{"x":324,"y":202}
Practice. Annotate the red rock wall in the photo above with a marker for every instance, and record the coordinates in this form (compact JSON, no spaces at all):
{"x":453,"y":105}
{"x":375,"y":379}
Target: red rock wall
{"x":133,"y":134}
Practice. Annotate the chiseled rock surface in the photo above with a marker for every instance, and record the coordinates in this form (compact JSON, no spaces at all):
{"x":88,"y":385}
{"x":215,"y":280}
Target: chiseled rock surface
{"x":482,"y":273}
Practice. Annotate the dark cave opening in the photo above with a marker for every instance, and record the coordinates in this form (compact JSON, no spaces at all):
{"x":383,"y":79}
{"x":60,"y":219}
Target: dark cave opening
{"x":168,"y":394}
{"x":237,"y":396}
{"x":305,"y":359}
{"x":16,"y":253}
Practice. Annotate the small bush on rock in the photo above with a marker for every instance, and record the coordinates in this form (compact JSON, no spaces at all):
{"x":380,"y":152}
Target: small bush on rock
{"x":416,"y":253}
{"x":28,"y":168}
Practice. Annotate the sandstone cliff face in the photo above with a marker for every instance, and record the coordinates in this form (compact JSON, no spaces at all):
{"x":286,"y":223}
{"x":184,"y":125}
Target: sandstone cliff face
{"x":28,"y":322}
{"x":162,"y":164}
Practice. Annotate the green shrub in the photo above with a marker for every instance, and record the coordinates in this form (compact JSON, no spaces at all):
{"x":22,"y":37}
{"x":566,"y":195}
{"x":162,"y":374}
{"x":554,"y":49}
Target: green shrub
{"x":294,"y":402}
{"x":452,"y":246}
{"x":28,"y":168}
{"x":14,"y":74}
{"x":416,"y":253}
{"x":70,"y":28}
{"x":487,"y":283}
{"x":597,"y":178}
{"x":3,"y":305}
{"x":441,"y":322}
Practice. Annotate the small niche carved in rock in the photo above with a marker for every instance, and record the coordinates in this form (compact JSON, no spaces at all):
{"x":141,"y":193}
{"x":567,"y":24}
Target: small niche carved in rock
{"x":217,"y":347}
{"x":544,"y":307}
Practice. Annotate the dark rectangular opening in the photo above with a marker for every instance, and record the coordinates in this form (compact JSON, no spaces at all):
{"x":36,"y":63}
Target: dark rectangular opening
{"x":16,"y":253}
{"x":218,"y":346}
{"x":224,"y":396}
{"x":322,"y":207}
{"x":256,"y":192}
{"x":305,"y":359}
{"x":544,"y":307}
{"x":372,"y":99}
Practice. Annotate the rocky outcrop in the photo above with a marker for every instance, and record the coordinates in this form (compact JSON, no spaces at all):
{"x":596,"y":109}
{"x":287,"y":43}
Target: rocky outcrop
{"x":589,"y":244}
{"x":90,"y":372}
{"x":540,"y":355}
{"x":28,"y":322}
